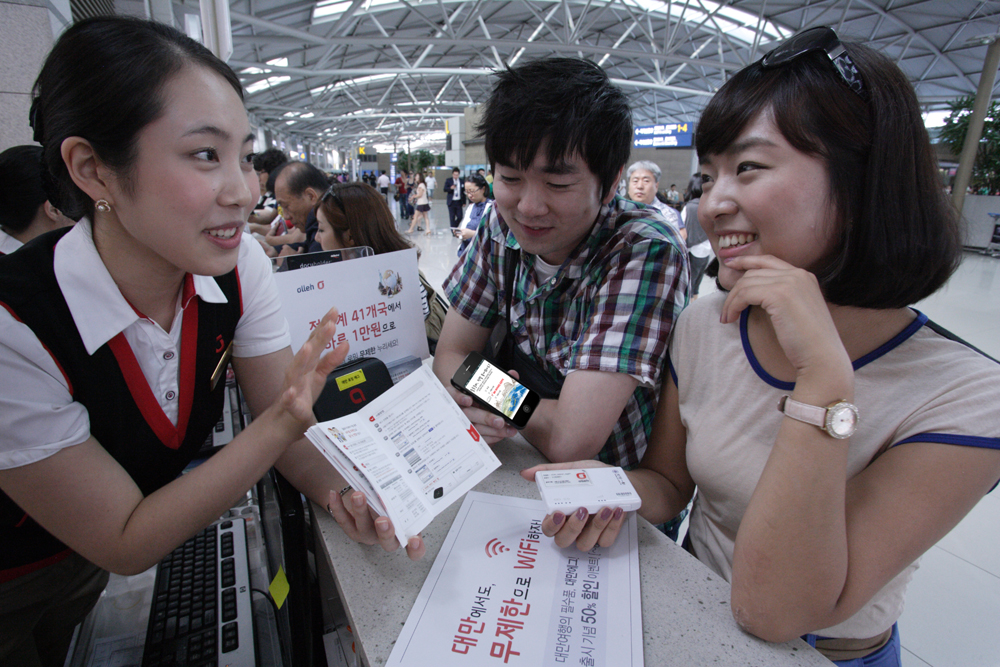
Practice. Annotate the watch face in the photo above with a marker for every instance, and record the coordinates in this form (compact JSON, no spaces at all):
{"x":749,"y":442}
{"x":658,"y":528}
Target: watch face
{"x":841,"y":420}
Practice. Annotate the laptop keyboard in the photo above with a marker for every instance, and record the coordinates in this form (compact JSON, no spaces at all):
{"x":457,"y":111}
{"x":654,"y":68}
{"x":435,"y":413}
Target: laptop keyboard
{"x":201,"y":613}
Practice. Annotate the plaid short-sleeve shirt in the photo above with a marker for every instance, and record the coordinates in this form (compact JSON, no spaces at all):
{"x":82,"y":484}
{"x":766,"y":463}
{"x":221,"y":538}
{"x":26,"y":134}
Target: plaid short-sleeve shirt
{"x":609,"y":307}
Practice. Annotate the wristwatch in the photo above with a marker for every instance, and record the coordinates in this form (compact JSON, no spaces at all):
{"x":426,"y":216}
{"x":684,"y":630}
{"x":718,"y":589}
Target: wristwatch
{"x":839,"y":419}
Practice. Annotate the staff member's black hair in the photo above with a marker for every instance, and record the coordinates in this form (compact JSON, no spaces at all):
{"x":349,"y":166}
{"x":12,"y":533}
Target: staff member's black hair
{"x":302,"y":175}
{"x":20,"y":187}
{"x":899,"y":238}
{"x":108,"y":105}
{"x":567,"y":103}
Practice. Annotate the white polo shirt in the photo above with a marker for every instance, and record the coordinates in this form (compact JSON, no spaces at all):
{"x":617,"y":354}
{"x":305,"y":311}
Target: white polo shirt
{"x":38,"y":415}
{"x":8,"y":243}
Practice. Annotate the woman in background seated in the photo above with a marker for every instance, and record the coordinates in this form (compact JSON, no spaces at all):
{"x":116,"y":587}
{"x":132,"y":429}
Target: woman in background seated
{"x":476,"y":189}
{"x":821,"y":199}
{"x":355,"y":214}
{"x":26,"y":212}
{"x":264,"y":222}
{"x":266,"y":209}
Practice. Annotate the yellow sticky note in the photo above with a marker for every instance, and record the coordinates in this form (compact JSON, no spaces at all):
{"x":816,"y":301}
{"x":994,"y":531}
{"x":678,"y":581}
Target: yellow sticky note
{"x":279,"y":588}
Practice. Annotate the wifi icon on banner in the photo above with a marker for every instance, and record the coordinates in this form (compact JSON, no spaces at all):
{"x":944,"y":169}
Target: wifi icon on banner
{"x":495,"y":548}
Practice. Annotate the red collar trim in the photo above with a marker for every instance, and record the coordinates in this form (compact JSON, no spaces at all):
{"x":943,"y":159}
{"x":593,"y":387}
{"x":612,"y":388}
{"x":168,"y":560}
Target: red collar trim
{"x":167,"y":433}
{"x":188,"y":292}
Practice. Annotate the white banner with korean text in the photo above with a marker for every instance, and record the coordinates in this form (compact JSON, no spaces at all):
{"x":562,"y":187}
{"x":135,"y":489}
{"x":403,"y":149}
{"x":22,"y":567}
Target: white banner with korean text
{"x":502,"y":593}
{"x":378,"y":299}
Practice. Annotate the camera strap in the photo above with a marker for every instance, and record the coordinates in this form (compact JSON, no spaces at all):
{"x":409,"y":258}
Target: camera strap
{"x":502,"y":350}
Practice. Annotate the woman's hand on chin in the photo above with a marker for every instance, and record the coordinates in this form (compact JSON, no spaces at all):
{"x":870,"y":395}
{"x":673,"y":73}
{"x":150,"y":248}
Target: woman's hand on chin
{"x":798,"y":312}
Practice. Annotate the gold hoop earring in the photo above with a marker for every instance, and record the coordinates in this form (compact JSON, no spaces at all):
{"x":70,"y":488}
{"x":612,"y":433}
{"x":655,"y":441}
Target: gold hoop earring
{"x":102,"y":205}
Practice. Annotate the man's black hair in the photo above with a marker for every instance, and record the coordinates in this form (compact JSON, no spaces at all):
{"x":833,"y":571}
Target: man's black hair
{"x":302,"y":175}
{"x":570,"y":105}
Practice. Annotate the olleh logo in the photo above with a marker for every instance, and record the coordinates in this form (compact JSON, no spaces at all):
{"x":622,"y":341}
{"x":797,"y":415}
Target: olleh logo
{"x":308,"y":288}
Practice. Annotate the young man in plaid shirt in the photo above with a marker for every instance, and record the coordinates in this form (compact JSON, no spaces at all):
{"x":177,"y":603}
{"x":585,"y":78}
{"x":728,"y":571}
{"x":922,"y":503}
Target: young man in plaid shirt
{"x":599,"y":281}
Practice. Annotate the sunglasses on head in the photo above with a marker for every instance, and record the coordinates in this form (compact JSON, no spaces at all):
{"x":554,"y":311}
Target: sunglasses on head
{"x":817,"y":39}
{"x":332,"y":194}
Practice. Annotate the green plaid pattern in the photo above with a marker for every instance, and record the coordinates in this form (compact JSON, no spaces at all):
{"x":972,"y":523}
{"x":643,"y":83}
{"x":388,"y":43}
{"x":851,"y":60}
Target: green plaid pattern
{"x":610,"y":306}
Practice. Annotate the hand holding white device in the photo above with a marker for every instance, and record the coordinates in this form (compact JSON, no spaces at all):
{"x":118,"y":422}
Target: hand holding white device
{"x":591,"y":488}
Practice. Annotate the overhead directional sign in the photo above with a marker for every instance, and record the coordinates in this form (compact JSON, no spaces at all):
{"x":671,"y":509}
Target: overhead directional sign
{"x":669,"y":135}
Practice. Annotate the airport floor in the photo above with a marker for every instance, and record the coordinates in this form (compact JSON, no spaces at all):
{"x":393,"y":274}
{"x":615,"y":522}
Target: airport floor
{"x":953,"y":603}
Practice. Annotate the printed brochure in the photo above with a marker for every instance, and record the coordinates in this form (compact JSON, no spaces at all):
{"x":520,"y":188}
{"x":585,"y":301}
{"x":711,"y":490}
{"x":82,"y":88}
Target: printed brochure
{"x":411,"y":451}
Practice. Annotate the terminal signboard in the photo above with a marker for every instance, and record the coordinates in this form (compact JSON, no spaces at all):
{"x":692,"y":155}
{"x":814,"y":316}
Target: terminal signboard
{"x":666,"y":135}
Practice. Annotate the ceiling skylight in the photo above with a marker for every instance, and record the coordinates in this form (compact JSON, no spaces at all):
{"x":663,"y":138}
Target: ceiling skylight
{"x":264,"y":84}
{"x":735,"y":23}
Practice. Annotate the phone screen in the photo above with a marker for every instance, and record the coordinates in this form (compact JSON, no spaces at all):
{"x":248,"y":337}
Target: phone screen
{"x":498,"y":389}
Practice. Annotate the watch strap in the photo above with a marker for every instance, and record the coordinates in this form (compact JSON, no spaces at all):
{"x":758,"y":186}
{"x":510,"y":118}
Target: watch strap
{"x":803,"y":412}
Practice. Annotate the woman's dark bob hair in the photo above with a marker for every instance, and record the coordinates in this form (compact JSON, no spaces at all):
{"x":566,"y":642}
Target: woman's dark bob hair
{"x":899,"y":237}
{"x":103,"y":81}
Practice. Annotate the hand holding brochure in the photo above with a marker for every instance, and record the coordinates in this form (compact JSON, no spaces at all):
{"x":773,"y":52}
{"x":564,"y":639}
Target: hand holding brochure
{"x":411,"y":451}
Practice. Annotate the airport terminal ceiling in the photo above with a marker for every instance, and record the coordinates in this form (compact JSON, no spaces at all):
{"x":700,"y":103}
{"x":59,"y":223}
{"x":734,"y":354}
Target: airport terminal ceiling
{"x":342,"y":73}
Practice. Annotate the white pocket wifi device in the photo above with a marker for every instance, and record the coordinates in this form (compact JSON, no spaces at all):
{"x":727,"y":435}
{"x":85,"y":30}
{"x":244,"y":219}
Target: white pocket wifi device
{"x":593,"y":488}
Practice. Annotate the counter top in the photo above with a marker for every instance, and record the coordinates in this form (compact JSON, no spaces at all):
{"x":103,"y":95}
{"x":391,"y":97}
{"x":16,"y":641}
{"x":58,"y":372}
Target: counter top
{"x":685,"y":606}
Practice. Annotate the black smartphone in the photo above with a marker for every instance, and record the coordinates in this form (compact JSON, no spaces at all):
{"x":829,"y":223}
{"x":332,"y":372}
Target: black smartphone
{"x":495,"y":390}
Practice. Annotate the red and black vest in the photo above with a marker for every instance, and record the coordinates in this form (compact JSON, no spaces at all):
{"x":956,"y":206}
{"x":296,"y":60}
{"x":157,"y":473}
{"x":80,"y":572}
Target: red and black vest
{"x":125,"y":417}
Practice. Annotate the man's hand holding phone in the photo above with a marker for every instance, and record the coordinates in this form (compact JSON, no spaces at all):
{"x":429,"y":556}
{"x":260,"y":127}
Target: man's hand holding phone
{"x":494,"y":401}
{"x":492,"y":428}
